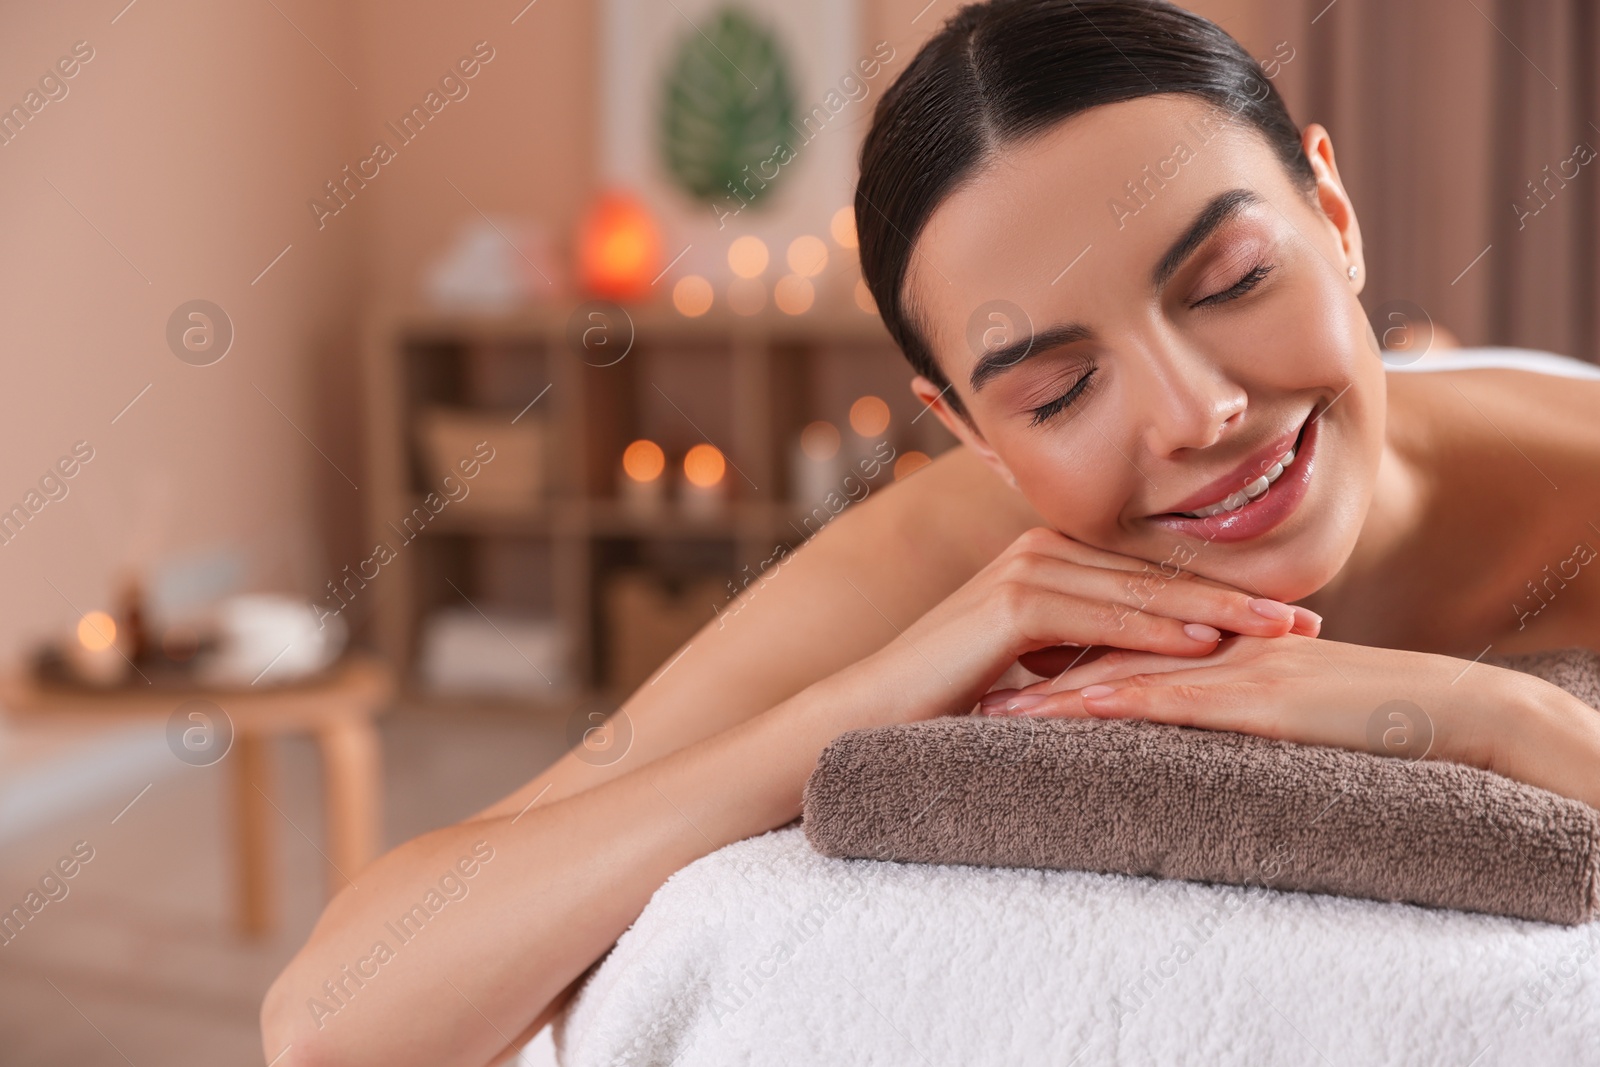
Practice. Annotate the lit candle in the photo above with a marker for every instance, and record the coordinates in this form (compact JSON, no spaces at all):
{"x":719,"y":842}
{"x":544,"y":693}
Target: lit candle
{"x":816,"y":467}
{"x":704,"y":491}
{"x":94,"y":656}
{"x":642,"y":486}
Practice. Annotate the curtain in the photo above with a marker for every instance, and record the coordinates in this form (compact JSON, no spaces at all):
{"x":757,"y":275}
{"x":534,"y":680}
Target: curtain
{"x":1468,"y":135}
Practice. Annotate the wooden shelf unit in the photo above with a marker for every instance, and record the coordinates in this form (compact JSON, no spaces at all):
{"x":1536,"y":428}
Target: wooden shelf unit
{"x":768,"y":391}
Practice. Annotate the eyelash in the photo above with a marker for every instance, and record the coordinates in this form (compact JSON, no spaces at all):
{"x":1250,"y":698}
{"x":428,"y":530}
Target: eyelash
{"x":1251,"y":279}
{"x":1044,"y":412}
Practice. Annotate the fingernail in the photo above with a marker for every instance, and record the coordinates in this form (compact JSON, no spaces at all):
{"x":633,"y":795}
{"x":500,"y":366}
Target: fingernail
{"x":1093,"y":691}
{"x":1309,"y":614}
{"x":1025,"y":700}
{"x":1199,"y":631}
{"x":997,"y":699}
{"x":1271,"y":609}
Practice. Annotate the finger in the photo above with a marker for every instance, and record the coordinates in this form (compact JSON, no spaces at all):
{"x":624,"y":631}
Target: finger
{"x":1151,"y":593}
{"x":996,"y":700}
{"x":1140,"y":581}
{"x":1044,"y":617}
{"x":1121,"y":665}
{"x":1196,"y":703}
{"x":1307,"y":623}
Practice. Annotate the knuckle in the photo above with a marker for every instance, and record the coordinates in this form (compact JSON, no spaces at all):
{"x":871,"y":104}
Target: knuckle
{"x":1106,"y":616}
{"x":1019,"y":565}
{"x":1036,"y":539}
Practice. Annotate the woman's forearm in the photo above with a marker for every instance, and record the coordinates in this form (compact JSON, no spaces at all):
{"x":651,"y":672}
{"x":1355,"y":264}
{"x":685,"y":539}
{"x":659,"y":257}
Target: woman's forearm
{"x":1549,"y":738}
{"x":394,"y":976}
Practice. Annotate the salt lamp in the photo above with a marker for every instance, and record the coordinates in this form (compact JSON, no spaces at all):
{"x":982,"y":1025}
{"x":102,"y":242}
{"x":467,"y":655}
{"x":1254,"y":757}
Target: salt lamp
{"x":619,"y":247}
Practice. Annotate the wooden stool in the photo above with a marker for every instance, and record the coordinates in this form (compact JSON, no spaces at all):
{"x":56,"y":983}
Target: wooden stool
{"x":337,"y":708}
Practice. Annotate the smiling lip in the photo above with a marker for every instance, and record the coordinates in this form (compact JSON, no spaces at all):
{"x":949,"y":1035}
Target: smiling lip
{"x":1264,"y":512}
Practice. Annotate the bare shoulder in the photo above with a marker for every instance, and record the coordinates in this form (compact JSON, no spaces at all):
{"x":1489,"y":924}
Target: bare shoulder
{"x":1546,"y":415}
{"x":954,"y":514}
{"x":1513,"y":459}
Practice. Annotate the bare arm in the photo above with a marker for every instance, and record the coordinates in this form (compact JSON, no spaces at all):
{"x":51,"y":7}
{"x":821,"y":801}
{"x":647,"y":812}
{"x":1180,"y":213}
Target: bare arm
{"x":903,"y":549}
{"x":552,"y":890}
{"x":550,"y":878}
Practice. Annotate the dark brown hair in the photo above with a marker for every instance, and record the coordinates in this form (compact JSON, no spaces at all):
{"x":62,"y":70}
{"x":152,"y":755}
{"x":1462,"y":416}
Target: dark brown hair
{"x":1002,"y":70}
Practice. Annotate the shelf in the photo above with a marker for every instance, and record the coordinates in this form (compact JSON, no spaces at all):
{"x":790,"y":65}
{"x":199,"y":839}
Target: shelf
{"x":755,"y":381}
{"x":600,"y":517}
{"x":844,"y":323}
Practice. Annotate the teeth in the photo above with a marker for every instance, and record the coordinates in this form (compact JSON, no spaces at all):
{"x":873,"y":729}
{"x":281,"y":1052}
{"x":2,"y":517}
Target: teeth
{"x":1235,"y":501}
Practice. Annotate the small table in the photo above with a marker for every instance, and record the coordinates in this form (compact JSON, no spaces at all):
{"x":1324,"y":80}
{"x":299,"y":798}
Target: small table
{"x":337,"y":707}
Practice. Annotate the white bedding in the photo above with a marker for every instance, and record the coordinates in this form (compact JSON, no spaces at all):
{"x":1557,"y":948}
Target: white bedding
{"x":864,"y":962}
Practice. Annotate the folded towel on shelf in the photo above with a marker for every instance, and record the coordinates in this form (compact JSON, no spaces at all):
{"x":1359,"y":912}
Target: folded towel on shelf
{"x":1143,"y":798}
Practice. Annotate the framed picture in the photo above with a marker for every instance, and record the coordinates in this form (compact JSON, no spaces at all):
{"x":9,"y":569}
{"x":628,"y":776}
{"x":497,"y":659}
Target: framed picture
{"x":734,"y":117}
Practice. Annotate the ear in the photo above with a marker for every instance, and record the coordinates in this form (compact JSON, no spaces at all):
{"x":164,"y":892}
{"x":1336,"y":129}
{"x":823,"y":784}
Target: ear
{"x":1334,"y":201}
{"x":933,"y":397}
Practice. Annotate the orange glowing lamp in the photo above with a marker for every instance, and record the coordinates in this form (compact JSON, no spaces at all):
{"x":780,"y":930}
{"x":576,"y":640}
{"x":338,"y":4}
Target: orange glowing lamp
{"x":619,"y":247}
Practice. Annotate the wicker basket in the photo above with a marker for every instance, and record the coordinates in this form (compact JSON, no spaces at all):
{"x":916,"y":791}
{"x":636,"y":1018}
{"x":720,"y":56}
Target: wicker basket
{"x":513,"y":479}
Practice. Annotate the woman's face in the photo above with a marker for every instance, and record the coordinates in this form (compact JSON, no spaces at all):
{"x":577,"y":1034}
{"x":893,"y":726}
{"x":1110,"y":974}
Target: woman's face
{"x":1143,"y":314}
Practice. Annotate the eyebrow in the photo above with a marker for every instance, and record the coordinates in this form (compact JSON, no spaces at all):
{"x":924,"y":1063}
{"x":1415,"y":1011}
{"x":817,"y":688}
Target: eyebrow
{"x":1218,"y":211}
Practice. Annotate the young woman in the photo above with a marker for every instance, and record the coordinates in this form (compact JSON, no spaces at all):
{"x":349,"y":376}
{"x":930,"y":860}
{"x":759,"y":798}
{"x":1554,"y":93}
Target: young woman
{"x":1188,"y":489}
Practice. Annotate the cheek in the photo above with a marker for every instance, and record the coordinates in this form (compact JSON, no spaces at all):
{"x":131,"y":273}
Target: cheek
{"x":1074,"y":480}
{"x":1313,"y":337}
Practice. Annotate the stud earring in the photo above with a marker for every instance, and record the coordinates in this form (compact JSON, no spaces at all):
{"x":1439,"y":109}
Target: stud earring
{"x":1352,"y":272}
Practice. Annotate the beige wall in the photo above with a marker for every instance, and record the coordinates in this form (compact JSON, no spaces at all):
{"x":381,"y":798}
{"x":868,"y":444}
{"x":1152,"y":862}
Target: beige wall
{"x":192,"y":142}
{"x":525,"y":139}
{"x":187,"y":142}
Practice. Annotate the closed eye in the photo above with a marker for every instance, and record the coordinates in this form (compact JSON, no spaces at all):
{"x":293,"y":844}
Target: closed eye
{"x":1044,"y":412}
{"x":1251,"y":279}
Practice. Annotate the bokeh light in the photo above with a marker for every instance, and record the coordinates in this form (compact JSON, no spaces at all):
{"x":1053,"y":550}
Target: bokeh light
{"x":864,"y":299}
{"x":808,"y":256}
{"x":910,"y":462}
{"x":820,"y":440}
{"x":746,"y":296}
{"x":96,"y":630}
{"x":747,"y":256}
{"x":793,"y":294}
{"x":869,"y":416}
{"x":643,"y":461}
{"x":692,"y":296}
{"x":704,"y":466}
{"x":843,"y":227}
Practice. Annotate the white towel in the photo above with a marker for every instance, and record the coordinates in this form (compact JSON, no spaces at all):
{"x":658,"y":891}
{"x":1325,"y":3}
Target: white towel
{"x":765,"y":952}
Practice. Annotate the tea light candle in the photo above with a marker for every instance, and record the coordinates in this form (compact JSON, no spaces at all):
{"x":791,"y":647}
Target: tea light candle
{"x":93,"y":654}
{"x":816,"y":467}
{"x":704,"y":490}
{"x":643,"y":489}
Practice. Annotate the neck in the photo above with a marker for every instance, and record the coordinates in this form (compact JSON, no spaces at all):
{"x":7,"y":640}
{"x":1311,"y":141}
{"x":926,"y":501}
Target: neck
{"x":1399,"y":499}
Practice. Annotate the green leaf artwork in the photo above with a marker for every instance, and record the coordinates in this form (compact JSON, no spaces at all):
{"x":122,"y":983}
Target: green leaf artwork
{"x":727,"y":104}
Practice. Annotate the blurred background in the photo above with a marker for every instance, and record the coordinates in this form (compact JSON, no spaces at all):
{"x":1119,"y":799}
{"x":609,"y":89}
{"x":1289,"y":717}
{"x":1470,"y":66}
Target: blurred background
{"x":393,"y":387}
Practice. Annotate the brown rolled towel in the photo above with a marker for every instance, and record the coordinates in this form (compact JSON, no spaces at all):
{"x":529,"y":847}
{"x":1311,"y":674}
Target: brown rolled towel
{"x":1137,"y":797}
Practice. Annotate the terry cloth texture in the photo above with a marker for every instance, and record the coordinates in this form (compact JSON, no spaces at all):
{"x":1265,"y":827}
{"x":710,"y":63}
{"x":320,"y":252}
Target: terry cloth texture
{"x":1143,"y":798}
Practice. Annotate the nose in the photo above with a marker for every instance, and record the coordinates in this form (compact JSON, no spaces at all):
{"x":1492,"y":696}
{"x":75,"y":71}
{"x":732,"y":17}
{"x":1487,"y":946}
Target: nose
{"x":1188,"y":400}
